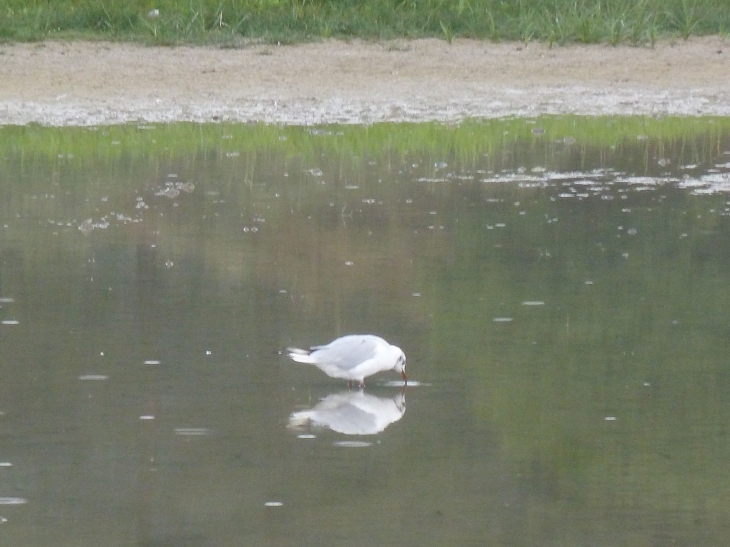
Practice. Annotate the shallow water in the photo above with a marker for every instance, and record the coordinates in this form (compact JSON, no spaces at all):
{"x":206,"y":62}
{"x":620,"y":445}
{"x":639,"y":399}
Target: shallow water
{"x":562,"y":303}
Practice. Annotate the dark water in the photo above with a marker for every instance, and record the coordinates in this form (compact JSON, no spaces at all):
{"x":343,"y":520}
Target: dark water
{"x":563,"y":308}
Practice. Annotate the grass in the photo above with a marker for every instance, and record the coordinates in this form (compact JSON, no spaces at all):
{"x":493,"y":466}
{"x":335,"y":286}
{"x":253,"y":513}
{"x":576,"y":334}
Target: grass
{"x":236,"y":22}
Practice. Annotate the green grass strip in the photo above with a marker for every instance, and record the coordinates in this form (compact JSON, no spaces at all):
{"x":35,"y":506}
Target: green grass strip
{"x":236,"y":22}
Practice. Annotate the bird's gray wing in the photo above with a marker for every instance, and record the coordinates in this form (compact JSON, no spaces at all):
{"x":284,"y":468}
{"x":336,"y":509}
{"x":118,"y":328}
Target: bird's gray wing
{"x":347,"y":352}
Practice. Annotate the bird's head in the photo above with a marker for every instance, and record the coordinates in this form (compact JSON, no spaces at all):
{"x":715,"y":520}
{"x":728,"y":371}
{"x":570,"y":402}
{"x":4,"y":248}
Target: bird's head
{"x":400,"y":363}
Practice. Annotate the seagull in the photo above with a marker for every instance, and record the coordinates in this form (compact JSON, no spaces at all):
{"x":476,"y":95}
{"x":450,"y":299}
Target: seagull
{"x":351,"y":413}
{"x":353,"y":357}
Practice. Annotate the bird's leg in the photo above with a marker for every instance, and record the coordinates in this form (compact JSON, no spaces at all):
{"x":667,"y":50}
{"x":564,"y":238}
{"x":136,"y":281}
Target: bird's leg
{"x":362,"y":384}
{"x":349,"y":384}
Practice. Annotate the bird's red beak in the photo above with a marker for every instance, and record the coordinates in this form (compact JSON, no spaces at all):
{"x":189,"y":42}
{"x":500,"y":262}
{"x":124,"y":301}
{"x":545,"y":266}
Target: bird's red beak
{"x":405,"y":379}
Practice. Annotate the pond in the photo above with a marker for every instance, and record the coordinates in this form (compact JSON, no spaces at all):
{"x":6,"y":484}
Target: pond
{"x":558,"y":285}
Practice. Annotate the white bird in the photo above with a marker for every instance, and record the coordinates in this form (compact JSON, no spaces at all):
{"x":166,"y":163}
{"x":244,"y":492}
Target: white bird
{"x":351,"y":413}
{"x":353,"y":357}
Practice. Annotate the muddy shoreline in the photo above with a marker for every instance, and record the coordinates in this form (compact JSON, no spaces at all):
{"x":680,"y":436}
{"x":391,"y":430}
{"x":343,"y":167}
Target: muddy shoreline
{"x":92,"y":83}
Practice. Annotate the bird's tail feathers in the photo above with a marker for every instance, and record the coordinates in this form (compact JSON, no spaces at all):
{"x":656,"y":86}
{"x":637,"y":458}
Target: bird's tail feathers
{"x":300,"y":355}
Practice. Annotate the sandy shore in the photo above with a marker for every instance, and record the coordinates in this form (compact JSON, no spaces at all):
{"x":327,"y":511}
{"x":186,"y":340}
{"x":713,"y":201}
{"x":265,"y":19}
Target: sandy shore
{"x":87,"y":83}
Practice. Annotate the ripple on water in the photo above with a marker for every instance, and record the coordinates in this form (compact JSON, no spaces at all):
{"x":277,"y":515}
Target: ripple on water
{"x":192,"y":431}
{"x":401,"y":383}
{"x":352,"y":444}
{"x":13,"y":501}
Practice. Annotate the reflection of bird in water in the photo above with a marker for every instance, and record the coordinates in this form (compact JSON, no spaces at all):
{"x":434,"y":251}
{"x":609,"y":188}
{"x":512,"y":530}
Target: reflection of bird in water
{"x":351,"y":413}
{"x":353,"y":357}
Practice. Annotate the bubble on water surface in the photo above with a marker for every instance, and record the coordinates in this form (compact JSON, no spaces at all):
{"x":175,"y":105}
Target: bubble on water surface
{"x":533,"y":303}
{"x":86,"y":226}
{"x":306,"y":436}
{"x":152,"y":362}
{"x":93,"y":377}
{"x":273,"y":504}
{"x":713,"y":183}
{"x":169,"y":192}
{"x":6,"y":300}
{"x":10,"y":322}
{"x":502,"y":319}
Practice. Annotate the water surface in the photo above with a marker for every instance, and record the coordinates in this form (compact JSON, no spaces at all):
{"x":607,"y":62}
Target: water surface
{"x":561,"y":296}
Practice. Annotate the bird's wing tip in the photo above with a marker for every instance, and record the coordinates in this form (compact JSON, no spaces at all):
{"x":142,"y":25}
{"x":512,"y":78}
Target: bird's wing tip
{"x":298,"y":351}
{"x":300,"y":355}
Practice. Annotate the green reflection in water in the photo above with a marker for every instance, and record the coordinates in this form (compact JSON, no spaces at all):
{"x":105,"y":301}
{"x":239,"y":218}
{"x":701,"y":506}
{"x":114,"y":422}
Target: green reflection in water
{"x":561,"y":283}
{"x":467,"y":141}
